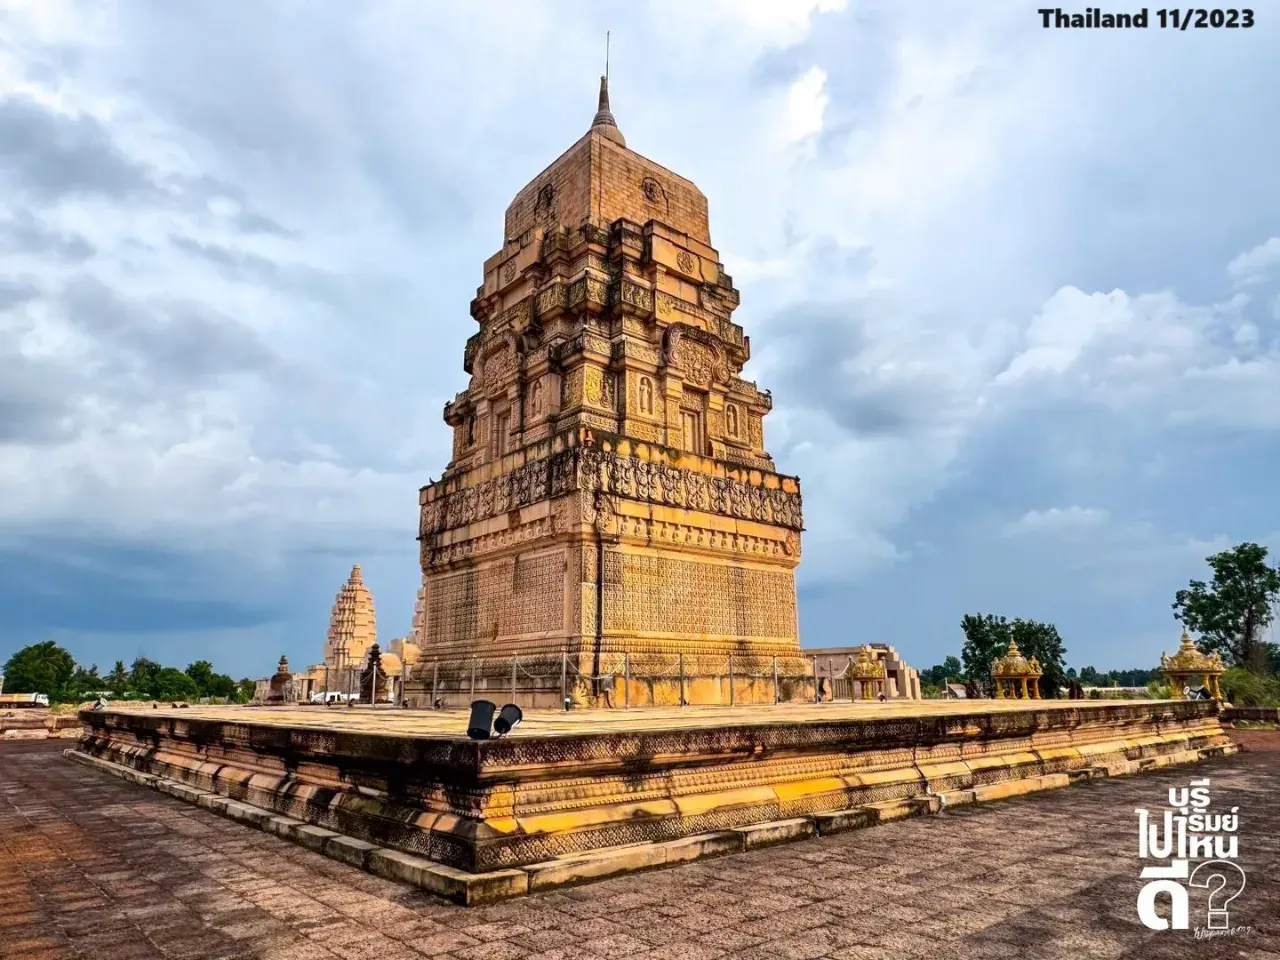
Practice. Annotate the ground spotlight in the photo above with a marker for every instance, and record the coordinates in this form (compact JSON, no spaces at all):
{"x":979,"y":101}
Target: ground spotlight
{"x":568,"y":703}
{"x":508,"y":717}
{"x":481,"y":719}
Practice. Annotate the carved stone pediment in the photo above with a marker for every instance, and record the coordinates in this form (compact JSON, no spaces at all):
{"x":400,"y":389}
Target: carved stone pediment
{"x":695,"y":353}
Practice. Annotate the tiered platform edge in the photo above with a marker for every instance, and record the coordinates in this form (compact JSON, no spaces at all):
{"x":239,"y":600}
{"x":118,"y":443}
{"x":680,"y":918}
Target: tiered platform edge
{"x":551,"y":808}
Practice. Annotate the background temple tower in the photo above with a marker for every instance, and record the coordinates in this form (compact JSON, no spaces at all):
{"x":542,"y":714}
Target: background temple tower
{"x":609,"y":490}
{"x":353,"y":627}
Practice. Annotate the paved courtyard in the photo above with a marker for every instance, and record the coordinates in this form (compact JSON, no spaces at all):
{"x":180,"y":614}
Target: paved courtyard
{"x":541,"y":723}
{"x":91,"y":866}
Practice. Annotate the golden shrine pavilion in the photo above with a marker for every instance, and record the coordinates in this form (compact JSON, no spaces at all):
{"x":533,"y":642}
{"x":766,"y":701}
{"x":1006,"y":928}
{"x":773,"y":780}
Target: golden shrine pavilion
{"x":1188,"y":665}
{"x":1021,"y":676}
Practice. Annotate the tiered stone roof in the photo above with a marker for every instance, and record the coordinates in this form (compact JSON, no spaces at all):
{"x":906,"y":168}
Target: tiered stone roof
{"x":352,"y":625}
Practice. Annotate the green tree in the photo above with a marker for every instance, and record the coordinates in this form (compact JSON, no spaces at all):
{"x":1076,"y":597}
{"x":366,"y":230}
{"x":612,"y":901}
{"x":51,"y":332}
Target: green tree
{"x":987,"y":638}
{"x":1244,"y":688}
{"x":142,"y":677}
{"x":223,"y":686}
{"x":83,"y":684}
{"x":952,"y":669}
{"x":39,"y":668}
{"x":172,"y":684}
{"x":1042,"y":641}
{"x":1232,"y":610}
{"x":1132,"y":678}
{"x":211,"y":684}
{"x":244,"y":690}
{"x":201,"y":673}
{"x":117,"y":680}
{"x":949,"y":670}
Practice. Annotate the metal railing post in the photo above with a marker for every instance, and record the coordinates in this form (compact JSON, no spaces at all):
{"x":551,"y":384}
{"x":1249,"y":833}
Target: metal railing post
{"x":682,"y":680}
{"x":626,"y":681}
{"x":435,"y":682}
{"x":514,"y":661}
{"x":817,"y":696}
{"x":473,"y":678}
{"x":564,"y":675}
{"x":731,"y":679}
{"x":776,"y":691}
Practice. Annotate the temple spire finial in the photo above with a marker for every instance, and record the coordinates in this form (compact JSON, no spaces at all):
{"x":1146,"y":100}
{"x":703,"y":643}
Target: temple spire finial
{"x":603,"y":122}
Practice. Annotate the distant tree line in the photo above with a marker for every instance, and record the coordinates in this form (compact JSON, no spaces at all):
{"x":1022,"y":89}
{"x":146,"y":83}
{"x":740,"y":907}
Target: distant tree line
{"x":47,"y":668}
{"x":1092,"y":677}
{"x":1229,"y":614}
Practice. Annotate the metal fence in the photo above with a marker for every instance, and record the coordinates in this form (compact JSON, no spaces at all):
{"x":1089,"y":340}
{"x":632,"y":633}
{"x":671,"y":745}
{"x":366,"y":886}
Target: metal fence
{"x":620,"y":680}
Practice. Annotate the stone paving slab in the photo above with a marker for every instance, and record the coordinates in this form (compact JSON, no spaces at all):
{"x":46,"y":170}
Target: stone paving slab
{"x":90,"y":866}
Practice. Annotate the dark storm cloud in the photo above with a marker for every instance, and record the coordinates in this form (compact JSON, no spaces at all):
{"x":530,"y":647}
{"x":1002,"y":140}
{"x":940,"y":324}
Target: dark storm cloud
{"x":343,"y":292}
{"x":15,"y":292}
{"x":66,"y":582}
{"x":173,"y":340}
{"x":322,"y":286}
{"x":37,"y":399}
{"x":777,"y":67}
{"x":142,"y":352}
{"x":201,"y":190}
{"x":52,"y":155}
{"x":24,"y":234}
{"x":816,"y":364}
{"x":35,"y":395}
{"x":248,"y":222}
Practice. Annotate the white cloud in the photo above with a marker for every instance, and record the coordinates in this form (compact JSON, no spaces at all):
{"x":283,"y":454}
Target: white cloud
{"x":935,"y":231}
{"x":807,"y":101}
{"x":776,"y":24}
{"x":1211,"y":365}
{"x":1056,"y":522}
{"x":1257,"y":264}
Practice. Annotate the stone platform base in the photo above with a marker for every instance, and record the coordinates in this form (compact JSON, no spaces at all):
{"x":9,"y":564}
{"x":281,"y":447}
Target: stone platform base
{"x":37,"y":723}
{"x":576,"y":796}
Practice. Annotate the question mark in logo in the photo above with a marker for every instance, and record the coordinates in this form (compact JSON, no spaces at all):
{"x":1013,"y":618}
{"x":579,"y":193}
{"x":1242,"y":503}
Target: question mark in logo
{"x":1222,"y":871}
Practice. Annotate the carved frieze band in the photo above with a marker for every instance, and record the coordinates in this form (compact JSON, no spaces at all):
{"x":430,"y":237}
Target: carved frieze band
{"x":590,"y":470}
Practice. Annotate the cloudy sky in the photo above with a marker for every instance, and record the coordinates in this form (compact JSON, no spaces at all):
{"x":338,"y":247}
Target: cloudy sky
{"x":1016,"y":293}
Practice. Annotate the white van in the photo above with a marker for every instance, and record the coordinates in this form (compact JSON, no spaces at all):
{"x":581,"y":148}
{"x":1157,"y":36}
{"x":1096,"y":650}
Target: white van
{"x":333,"y":696}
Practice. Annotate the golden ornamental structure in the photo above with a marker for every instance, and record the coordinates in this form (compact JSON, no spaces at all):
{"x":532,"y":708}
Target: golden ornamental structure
{"x":1189,"y":665}
{"x":1022,"y":676}
{"x":869,"y":673}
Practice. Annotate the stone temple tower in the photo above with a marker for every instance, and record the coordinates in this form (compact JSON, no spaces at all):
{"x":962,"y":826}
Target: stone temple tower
{"x":609,"y":492}
{"x":353,"y":627}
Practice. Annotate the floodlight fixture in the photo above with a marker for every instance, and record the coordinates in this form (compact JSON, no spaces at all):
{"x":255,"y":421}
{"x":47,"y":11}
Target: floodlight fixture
{"x":508,"y":718}
{"x":481,"y":721}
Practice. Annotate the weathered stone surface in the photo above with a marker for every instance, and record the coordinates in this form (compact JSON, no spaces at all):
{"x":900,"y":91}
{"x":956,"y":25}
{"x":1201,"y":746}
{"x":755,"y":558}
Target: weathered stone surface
{"x":92,"y":867}
{"x":702,"y":845}
{"x":842,"y":820}
{"x":776,"y":831}
{"x":609,"y":493}
{"x":564,"y":785}
{"x":567,"y":871}
{"x":349,"y":850}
